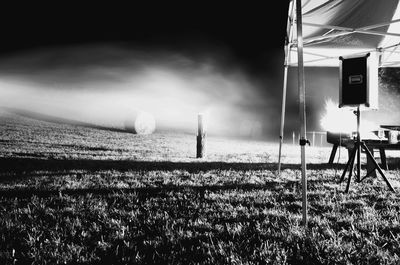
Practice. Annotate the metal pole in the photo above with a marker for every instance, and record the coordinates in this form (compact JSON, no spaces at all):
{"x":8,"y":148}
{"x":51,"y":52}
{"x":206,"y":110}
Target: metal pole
{"x":302,"y":108}
{"x":282,"y":116}
{"x":286,"y":66}
{"x":358,"y":146}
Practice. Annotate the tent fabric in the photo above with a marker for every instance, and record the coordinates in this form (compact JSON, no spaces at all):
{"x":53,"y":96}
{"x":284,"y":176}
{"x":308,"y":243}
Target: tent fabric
{"x":333,"y":28}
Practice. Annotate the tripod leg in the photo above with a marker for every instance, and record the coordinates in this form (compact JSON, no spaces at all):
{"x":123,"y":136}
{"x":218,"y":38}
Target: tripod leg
{"x":333,"y":153}
{"x":351,"y":169}
{"x":350,"y":163}
{"x":377,"y":166}
{"x":370,"y":165}
{"x":358,"y":162}
{"x":383,"y":158}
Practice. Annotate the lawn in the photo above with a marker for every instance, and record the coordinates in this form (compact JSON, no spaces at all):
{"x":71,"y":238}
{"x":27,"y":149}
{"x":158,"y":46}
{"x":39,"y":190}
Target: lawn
{"x":75,"y":195}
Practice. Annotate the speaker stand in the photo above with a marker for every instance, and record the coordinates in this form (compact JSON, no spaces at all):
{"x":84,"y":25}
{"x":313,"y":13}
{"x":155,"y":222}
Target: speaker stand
{"x":356,"y":151}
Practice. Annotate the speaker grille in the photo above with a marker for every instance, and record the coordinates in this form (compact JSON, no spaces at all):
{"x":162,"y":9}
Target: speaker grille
{"x":354,"y":81}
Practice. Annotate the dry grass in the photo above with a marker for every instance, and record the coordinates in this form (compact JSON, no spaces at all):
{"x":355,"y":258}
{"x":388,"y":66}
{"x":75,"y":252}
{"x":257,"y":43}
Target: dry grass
{"x":83,"y":196}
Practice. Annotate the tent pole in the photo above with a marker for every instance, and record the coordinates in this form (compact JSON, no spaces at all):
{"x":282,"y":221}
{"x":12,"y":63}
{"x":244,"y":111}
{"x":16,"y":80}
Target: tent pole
{"x":285,"y":73}
{"x":302,"y":110}
{"x":282,"y":116}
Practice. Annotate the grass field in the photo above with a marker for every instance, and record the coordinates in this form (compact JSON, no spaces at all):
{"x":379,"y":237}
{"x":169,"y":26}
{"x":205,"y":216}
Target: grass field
{"x":74,"y":195}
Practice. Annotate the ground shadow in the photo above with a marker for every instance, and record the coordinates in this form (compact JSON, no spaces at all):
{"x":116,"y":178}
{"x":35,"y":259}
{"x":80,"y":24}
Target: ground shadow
{"x":26,"y":165}
{"x":12,"y":168}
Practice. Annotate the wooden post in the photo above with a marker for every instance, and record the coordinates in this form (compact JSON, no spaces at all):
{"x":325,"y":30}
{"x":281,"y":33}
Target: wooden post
{"x":201,"y":137}
{"x":322,"y":135}
{"x":313,"y":138}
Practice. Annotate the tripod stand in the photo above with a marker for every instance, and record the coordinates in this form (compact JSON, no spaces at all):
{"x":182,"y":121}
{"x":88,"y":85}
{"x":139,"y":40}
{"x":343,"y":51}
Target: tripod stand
{"x":358,"y":146}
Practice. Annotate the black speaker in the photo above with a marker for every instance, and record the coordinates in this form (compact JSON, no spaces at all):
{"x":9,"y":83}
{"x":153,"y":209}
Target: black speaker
{"x":359,"y":81}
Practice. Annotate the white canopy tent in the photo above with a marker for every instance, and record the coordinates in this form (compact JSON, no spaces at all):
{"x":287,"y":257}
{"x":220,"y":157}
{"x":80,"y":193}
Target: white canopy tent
{"x":320,"y":31}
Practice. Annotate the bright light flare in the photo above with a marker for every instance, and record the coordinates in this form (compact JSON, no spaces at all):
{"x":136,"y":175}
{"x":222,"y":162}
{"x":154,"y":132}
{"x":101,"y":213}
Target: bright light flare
{"x":343,"y":120}
{"x":337,"y":119}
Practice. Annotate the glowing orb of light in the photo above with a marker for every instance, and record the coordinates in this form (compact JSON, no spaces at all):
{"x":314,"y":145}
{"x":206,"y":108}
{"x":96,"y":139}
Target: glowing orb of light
{"x":140,"y":122}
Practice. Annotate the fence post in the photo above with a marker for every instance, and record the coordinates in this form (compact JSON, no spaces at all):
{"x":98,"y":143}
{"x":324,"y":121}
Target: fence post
{"x":201,"y":137}
{"x":313,"y":138}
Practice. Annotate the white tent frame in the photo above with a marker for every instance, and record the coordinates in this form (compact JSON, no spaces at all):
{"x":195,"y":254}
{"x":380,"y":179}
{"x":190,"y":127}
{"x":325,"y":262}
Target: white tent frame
{"x":296,"y":45}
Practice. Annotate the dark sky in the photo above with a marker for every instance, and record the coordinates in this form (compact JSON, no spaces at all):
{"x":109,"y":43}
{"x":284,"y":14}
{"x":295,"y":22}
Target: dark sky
{"x":250,"y":31}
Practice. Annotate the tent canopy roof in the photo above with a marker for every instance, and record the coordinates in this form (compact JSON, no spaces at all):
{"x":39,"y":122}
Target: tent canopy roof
{"x":333,"y":28}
